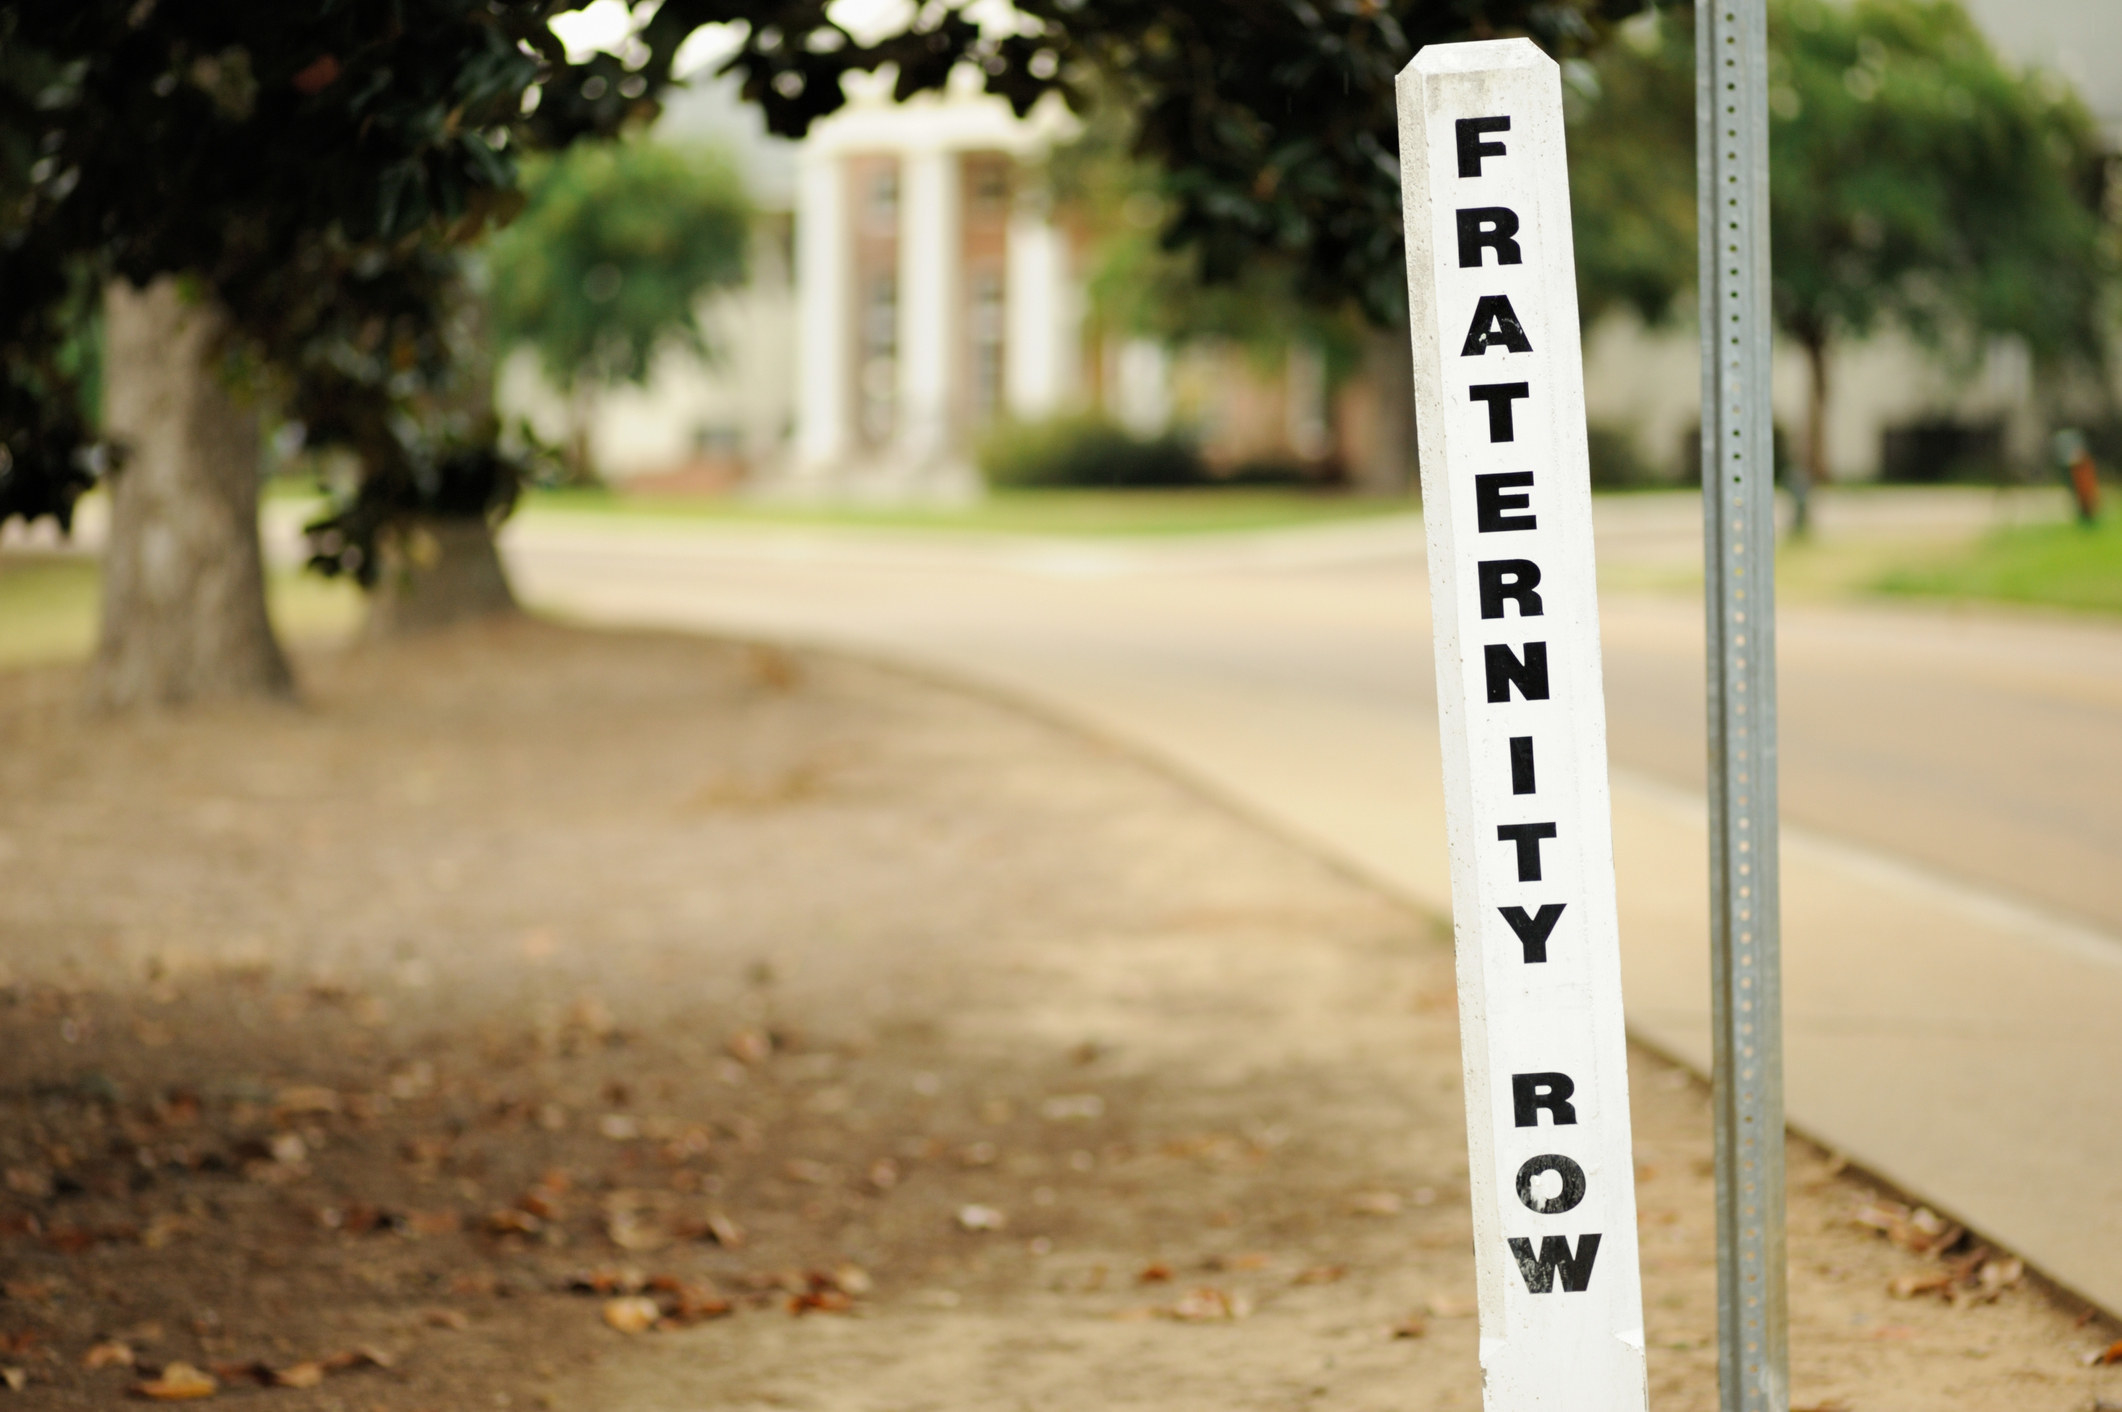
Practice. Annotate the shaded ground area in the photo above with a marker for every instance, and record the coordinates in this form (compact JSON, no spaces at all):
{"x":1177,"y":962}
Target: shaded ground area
{"x":879,"y":1046}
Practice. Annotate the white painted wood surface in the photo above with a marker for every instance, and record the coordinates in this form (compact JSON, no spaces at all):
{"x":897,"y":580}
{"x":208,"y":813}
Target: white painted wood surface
{"x":1499,"y":386}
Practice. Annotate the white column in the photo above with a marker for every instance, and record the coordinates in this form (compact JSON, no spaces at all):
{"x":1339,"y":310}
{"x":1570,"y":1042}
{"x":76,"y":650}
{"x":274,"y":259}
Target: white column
{"x":1304,"y":411}
{"x":929,"y":241}
{"x":1139,"y":387}
{"x":824,"y":323}
{"x":1036,"y":313}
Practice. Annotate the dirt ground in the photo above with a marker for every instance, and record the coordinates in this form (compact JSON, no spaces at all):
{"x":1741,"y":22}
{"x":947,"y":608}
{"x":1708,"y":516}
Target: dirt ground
{"x":538,"y":1018}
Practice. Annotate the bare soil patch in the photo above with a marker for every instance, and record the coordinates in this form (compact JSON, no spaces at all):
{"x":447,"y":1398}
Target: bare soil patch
{"x":539,"y":1018}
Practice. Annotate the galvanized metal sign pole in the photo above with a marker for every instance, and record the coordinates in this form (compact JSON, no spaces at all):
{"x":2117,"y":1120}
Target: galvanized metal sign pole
{"x":1739,"y":543}
{"x":1506,"y":490}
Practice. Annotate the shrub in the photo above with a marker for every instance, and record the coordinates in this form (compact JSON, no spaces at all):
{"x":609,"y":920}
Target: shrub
{"x":1086,"y":451}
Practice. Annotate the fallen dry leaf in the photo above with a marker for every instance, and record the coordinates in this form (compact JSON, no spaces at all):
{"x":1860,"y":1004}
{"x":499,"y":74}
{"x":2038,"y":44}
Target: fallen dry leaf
{"x":366,"y":1356}
{"x":163,"y":1229}
{"x":256,"y":1371}
{"x":1999,"y":1275}
{"x":2100,"y":1357}
{"x":305,"y":1099}
{"x":686,"y":1302}
{"x":1072,"y":1108}
{"x":1912,"y":1228}
{"x":631,"y":1233}
{"x":1208,"y":1305}
{"x":1154,"y":1273}
{"x":632,"y":1314}
{"x":110,"y":1354}
{"x":1923,"y":1282}
{"x":304,"y":1374}
{"x":714,"y":1226}
{"x":512,"y":1222}
{"x":824,"y":1301}
{"x":178,"y":1382}
{"x":452,"y":1319}
{"x":751,"y":1046}
{"x":605,"y":1281}
{"x":433,"y":1223}
{"x":13,"y":1378}
{"x":1242,"y":1260}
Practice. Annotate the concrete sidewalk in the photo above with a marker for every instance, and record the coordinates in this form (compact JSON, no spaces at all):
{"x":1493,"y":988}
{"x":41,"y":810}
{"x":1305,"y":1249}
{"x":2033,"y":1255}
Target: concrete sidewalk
{"x":1949,"y":1037}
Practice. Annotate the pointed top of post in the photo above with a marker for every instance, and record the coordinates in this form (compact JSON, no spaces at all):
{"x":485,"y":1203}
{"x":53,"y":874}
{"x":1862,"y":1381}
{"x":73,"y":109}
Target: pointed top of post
{"x":1478,"y":55}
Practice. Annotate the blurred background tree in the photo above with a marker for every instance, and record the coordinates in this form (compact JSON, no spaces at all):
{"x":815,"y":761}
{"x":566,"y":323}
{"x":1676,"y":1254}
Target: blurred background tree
{"x":280,"y":192}
{"x":1271,"y":125}
{"x":610,"y":260}
{"x":1140,"y":282}
{"x":271,"y":195}
{"x":1916,"y":181}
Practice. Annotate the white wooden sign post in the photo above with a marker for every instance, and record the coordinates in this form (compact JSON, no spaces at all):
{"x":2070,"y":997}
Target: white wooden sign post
{"x":1506,"y":491}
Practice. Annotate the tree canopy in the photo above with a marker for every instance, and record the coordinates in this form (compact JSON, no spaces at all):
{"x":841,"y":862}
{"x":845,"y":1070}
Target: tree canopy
{"x":612,"y":254}
{"x":312,"y":167}
{"x":1272,"y":121}
{"x":309,"y":167}
{"x":1915,"y":181}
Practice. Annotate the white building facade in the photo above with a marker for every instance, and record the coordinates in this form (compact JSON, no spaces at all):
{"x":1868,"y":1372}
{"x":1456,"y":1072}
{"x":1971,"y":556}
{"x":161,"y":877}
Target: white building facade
{"x":935,"y":293}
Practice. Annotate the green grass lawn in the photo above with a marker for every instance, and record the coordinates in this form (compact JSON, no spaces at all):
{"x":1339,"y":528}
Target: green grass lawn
{"x":48,"y":607}
{"x":2055,"y":566}
{"x":1035,"y":512}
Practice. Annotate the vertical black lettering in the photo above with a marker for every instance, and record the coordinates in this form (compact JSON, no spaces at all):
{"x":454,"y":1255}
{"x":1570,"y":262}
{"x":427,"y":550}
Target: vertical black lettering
{"x":1515,"y":579}
{"x":1472,"y":149}
{"x":1567,"y":1199}
{"x":1533,"y":931}
{"x":1527,"y":837}
{"x":1493,"y":502}
{"x":1495,"y":323}
{"x":1521,"y":765}
{"x":1529,"y":1093}
{"x":1499,"y":396}
{"x":1506,"y":671}
{"x":1539,"y":1270}
{"x":1489,"y":227}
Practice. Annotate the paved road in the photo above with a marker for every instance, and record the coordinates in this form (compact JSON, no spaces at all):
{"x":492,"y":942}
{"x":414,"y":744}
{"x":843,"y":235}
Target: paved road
{"x":1953,"y":865}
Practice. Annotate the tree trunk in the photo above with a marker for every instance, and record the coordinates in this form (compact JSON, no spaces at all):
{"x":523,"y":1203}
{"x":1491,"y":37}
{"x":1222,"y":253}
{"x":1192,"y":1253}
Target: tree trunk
{"x":1393,"y":462}
{"x":581,"y":413}
{"x":438,"y":572}
{"x":184,"y":614}
{"x":1811,"y":470}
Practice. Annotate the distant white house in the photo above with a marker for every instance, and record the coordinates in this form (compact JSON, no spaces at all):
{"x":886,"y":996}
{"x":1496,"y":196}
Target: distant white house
{"x":910,"y":286}
{"x":702,"y":425}
{"x":935,"y":291}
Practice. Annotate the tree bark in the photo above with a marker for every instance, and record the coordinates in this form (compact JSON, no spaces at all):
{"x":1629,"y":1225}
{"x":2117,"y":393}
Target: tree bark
{"x":438,"y":572}
{"x":1811,"y":469}
{"x":184,"y":615}
{"x":581,"y":413}
{"x":1393,"y":462}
